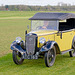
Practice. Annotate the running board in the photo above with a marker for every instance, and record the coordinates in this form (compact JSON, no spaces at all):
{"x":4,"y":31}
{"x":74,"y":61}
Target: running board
{"x":63,"y":52}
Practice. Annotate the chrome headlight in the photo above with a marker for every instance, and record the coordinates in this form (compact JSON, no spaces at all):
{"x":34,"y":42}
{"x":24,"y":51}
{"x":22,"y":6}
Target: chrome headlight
{"x":18,"y":39}
{"x":42,"y":40}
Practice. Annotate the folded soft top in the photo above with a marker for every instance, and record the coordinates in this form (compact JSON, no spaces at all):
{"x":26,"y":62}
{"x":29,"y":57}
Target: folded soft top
{"x":52,"y":16}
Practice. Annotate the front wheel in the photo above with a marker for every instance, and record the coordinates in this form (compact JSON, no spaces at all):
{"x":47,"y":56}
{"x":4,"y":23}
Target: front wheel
{"x":17,"y":57}
{"x":50,"y":57}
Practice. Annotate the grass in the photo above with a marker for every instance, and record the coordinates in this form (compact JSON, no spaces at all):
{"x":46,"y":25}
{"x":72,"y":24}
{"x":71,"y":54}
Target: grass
{"x":17,"y":13}
{"x":9,"y":30}
{"x":24,"y":13}
{"x":13,"y":24}
{"x":63,"y":65}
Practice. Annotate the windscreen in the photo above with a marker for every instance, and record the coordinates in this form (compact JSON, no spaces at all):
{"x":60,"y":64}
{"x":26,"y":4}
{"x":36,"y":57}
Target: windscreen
{"x":44,"y":25}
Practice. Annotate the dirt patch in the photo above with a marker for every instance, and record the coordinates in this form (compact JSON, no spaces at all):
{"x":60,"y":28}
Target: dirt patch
{"x":14,"y":17}
{"x":3,"y":53}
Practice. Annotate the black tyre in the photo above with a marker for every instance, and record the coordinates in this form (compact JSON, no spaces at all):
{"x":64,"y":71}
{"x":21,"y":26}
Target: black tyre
{"x":72,"y":53}
{"x":17,"y":57}
{"x":50,"y":57}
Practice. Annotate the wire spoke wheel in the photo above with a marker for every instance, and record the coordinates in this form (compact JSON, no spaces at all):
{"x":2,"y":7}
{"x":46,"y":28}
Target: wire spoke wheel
{"x":50,"y":57}
{"x":17,"y":57}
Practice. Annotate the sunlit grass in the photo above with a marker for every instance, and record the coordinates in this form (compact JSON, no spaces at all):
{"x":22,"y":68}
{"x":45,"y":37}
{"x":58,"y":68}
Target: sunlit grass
{"x":13,"y":24}
{"x":9,"y":30}
{"x":63,"y":65}
{"x":12,"y":27}
{"x":25,"y":13}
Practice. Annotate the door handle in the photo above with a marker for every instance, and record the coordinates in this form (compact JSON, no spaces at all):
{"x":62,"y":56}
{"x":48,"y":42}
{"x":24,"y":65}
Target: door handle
{"x":59,"y":34}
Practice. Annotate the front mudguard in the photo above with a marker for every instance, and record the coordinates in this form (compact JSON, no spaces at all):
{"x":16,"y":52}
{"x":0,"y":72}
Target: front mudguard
{"x":17,"y":47}
{"x":49,"y":45}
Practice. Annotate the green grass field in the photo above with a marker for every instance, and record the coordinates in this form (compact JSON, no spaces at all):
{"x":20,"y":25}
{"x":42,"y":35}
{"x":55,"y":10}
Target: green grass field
{"x":13,"y":24}
{"x":64,"y":65}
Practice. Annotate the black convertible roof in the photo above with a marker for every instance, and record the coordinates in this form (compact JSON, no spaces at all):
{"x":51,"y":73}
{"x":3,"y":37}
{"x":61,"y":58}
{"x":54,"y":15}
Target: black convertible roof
{"x":52,"y":16}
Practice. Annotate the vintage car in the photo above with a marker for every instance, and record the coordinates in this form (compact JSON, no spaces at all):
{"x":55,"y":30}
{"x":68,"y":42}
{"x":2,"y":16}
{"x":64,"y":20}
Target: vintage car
{"x":51,"y":34}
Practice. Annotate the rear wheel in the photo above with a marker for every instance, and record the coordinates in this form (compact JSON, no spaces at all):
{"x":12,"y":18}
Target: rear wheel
{"x":17,"y":57}
{"x":50,"y":57}
{"x":72,"y":53}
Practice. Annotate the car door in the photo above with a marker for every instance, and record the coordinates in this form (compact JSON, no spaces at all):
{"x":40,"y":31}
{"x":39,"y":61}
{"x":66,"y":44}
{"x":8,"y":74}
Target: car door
{"x":64,"y":39}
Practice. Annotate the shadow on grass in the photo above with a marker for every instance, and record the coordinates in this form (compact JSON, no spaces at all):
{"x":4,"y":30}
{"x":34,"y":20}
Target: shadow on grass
{"x":60,"y":59}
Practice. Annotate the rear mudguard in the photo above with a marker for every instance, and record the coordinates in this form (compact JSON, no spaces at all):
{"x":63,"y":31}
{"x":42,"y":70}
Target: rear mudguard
{"x":17,"y":47}
{"x":49,"y":46}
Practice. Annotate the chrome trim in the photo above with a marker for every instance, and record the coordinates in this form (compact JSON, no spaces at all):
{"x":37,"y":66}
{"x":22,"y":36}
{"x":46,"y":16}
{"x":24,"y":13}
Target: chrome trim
{"x":67,"y":30}
{"x":31,"y":25}
{"x":57,"y":25}
{"x":42,"y":30}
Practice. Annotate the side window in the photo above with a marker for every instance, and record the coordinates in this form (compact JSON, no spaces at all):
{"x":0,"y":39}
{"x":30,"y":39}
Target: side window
{"x":67,"y":25}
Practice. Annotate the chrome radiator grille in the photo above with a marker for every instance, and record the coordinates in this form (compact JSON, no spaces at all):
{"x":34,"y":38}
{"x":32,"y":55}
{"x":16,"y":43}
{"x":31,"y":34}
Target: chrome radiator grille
{"x":30,"y":44}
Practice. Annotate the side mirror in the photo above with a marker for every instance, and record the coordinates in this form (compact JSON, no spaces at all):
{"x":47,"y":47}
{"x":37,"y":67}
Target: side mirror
{"x":25,"y":32}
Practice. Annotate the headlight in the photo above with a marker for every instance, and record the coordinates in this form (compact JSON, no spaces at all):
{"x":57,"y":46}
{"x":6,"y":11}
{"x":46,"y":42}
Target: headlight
{"x":42,"y":40}
{"x":18,"y":39}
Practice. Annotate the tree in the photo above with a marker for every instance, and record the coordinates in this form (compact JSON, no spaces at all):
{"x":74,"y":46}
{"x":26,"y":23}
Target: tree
{"x":6,"y":6}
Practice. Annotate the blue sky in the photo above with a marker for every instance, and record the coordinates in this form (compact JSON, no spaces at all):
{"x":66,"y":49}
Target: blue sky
{"x":35,"y":2}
